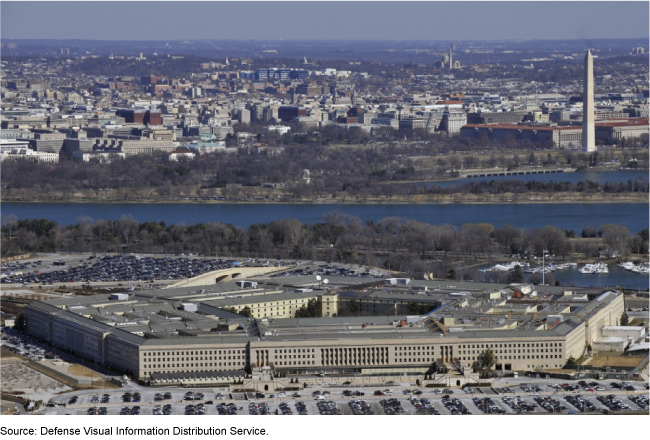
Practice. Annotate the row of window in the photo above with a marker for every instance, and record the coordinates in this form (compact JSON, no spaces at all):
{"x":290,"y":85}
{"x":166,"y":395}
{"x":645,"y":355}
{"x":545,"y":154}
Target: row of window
{"x":193,"y":355}
{"x":190,"y":353}
{"x":296,"y":363}
{"x":295,"y":350}
{"x":521,"y":350}
{"x":200,"y":364}
{"x":522,"y":345}
{"x":192,"y":358}
{"x":295,"y":356}
{"x":528,"y":356}
{"x":147,"y":372}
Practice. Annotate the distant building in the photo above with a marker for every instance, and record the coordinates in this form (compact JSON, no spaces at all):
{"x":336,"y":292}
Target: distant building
{"x":389,"y":122}
{"x":275,"y":74}
{"x":412,"y":124}
{"x":8,"y":145}
{"x":27,"y":154}
{"x":289,"y":113}
{"x":48,"y":142}
{"x":131,"y":147}
{"x":174,"y":156}
{"x":569,"y":136}
{"x":561,"y":137}
{"x":282,"y":129}
{"x":312,"y":90}
{"x":242,"y":115}
{"x":16,"y":134}
{"x":206,"y":147}
{"x":100,"y":156}
{"x":453,"y":121}
{"x":496,"y":117}
{"x":149,"y":117}
{"x":222,"y":131}
{"x":613,"y":131}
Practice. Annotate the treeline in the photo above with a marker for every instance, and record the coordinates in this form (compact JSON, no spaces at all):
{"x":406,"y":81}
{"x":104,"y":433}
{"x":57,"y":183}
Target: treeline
{"x":335,"y":172}
{"x":171,"y":67}
{"x":393,"y":243}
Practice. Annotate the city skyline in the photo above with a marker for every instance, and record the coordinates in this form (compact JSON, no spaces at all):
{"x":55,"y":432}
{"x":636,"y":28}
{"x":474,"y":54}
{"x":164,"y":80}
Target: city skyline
{"x":325,"y":21}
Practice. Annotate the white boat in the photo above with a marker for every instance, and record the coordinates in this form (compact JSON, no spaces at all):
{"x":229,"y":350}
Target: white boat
{"x":602,"y":269}
{"x":588,"y":268}
{"x":627,"y":265}
{"x":594,"y":268}
{"x":504,"y":267}
{"x":640,"y":268}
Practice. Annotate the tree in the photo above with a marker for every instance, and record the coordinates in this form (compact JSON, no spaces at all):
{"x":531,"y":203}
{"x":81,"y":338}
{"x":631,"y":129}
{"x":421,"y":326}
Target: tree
{"x":617,"y":238}
{"x":413,"y":308}
{"x":484,"y":362}
{"x":571,"y":361}
{"x":20,"y":325}
{"x":625,"y":320}
{"x":353,"y":308}
{"x":486,"y":359}
{"x":313,"y":309}
{"x":516,"y":276}
{"x":509,"y":237}
{"x":246,"y":311}
{"x":589,"y":232}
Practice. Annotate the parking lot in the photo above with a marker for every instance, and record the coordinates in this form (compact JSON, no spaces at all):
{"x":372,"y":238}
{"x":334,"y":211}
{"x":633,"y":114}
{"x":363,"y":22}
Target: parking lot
{"x":329,"y":401}
{"x":91,"y":268}
{"x":313,"y":269}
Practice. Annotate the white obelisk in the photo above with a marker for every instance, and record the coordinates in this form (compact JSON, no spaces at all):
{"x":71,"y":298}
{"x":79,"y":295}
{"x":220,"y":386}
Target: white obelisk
{"x":588,"y":128}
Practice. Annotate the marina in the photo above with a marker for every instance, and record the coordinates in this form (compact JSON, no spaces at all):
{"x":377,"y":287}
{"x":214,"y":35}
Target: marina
{"x":628,"y":274}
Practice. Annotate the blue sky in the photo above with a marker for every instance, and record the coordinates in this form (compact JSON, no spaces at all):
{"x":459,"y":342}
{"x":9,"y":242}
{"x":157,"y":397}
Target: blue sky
{"x":483,"y":20}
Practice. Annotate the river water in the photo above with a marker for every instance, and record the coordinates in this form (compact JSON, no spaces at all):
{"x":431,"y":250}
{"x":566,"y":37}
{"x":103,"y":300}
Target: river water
{"x":633,"y":215}
{"x":571,"y":276}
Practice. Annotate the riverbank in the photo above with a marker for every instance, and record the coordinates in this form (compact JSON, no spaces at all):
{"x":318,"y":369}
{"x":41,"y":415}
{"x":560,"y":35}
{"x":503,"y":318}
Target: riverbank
{"x":427,"y":199}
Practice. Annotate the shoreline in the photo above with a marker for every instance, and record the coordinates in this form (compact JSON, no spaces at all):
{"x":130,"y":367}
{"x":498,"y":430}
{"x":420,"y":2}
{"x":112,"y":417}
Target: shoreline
{"x":411,"y":201}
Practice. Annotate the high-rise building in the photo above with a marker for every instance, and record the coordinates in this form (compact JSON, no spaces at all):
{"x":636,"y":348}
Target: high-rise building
{"x":453,"y":121}
{"x":588,"y":128}
{"x":289,"y":113}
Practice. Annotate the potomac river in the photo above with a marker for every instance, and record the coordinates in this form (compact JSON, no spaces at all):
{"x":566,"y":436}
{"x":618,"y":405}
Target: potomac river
{"x":565,"y":216}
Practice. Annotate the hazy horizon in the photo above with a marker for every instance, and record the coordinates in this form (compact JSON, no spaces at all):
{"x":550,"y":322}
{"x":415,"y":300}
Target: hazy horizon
{"x":324,"y":21}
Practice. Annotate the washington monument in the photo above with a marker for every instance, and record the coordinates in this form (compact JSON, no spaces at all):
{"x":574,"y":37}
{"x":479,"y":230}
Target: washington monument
{"x":588,"y":130}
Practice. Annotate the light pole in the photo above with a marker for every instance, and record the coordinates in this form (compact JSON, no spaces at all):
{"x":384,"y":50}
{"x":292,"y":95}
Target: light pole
{"x":544,"y":252}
